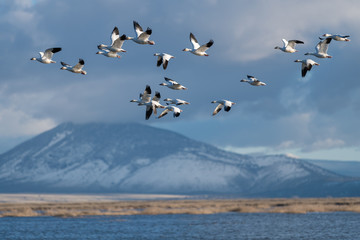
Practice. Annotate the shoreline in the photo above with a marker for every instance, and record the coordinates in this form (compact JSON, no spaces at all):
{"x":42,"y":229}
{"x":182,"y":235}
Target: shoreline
{"x":143,"y":204}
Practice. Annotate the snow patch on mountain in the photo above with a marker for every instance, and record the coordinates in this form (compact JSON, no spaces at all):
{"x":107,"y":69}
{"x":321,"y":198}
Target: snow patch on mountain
{"x":57,"y":138}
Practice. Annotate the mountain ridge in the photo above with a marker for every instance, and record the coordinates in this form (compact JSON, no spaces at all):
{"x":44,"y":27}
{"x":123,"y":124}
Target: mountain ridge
{"x":131,"y":157}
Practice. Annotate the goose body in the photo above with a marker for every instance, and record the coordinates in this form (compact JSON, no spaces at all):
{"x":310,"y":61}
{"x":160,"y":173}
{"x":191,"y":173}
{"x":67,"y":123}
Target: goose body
{"x":108,"y":53}
{"x":78,"y":68}
{"x":117,"y":42}
{"x":168,"y":109}
{"x":142,"y":37}
{"x":153,"y":105}
{"x":175,"y":101}
{"x":336,"y":37}
{"x":46,"y":57}
{"x":253,"y":81}
{"x":163,"y":58}
{"x":144,"y":97}
{"x":222,"y":103}
{"x":197,"y":49}
{"x":321,"y":49}
{"x":306,"y":65}
{"x":289,"y":46}
{"x":172,"y":84}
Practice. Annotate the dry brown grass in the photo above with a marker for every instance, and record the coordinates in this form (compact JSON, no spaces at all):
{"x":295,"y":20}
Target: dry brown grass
{"x":153,"y":207}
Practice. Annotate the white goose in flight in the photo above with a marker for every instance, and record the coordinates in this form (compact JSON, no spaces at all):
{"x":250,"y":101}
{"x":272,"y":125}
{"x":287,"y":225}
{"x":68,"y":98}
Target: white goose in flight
{"x":197,"y":49}
{"x":172,"y":84}
{"x":153,"y":105}
{"x":336,"y":37}
{"x":222,"y":103}
{"x":306,"y":65}
{"x":174,"y":109}
{"x":321,"y":49}
{"x":144,"y":97}
{"x":175,"y":101}
{"x":141,"y":36}
{"x":116,"y":42}
{"x":46,"y":57}
{"x":253,"y":81}
{"x":163,"y":58}
{"x":75,"y":69}
{"x":108,"y":53}
{"x":289,"y":46}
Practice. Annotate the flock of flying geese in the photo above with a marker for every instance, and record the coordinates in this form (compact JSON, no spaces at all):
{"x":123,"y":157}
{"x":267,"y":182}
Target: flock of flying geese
{"x":152,"y":104}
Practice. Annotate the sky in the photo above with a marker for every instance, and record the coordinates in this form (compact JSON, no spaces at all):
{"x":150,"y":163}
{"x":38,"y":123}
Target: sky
{"x":313,"y":117}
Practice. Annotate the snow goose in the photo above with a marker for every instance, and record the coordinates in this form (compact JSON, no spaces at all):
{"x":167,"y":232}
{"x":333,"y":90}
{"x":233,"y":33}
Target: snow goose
{"x":172,"y":84}
{"x":75,"y":69}
{"x":163,"y":58}
{"x":253,"y":81}
{"x":222,"y":103}
{"x":144,"y":97}
{"x":46,"y":57}
{"x":197,"y":49}
{"x":175,"y":101}
{"x":306,"y":65}
{"x":336,"y":37}
{"x":174,"y":109}
{"x":153,"y":105}
{"x":108,"y":53}
{"x":116,"y":42}
{"x":321,"y":49}
{"x":289,"y":46}
{"x":141,"y":36}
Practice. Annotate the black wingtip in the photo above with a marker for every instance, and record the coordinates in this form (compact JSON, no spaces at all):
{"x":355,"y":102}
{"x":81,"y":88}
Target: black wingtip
{"x":81,"y":61}
{"x":328,"y":40}
{"x":210,"y":43}
{"x":165,"y":64}
{"x":148,"y":31}
{"x":116,"y":30}
{"x":303,"y":72}
{"x":123,"y":37}
{"x":55,"y":50}
{"x":148,"y":89}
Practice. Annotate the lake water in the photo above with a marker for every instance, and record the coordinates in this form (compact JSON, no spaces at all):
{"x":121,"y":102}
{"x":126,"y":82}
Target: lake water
{"x":339,"y":226}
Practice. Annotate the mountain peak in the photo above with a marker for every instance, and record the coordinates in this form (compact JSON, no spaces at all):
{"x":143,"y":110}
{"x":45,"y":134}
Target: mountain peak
{"x":131,"y":157}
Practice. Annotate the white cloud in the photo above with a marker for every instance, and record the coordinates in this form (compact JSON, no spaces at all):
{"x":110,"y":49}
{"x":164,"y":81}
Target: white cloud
{"x":15,"y":123}
{"x":327,"y":143}
{"x":252,"y":30}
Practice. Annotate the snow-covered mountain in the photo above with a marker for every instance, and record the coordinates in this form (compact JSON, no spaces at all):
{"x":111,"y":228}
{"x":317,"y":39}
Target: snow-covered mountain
{"x":99,"y":157}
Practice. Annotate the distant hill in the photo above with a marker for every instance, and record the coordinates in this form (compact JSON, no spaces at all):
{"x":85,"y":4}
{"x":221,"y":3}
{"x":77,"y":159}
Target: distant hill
{"x":345,"y":168}
{"x":135,"y":158}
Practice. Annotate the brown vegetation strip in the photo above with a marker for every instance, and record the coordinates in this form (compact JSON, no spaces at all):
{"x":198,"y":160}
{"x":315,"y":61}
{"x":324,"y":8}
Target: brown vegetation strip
{"x":152,"y":207}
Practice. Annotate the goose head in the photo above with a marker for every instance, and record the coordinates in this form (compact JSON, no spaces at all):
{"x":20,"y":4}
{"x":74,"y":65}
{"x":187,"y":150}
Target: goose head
{"x":151,"y":42}
{"x":101,"y":46}
{"x":83,"y":72}
{"x":33,"y":58}
{"x":63,"y":68}
{"x":163,"y":84}
{"x":187,"y":50}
